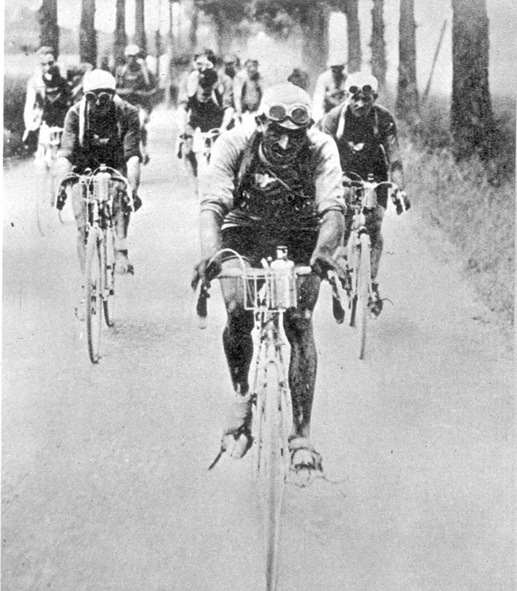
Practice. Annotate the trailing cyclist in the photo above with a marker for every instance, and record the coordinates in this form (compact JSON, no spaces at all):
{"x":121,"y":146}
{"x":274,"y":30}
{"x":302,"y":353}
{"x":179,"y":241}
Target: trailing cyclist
{"x":137,"y":85}
{"x":205,"y":104}
{"x":366,"y":137}
{"x":102,"y":129}
{"x":276,"y":183}
{"x":48,"y":97}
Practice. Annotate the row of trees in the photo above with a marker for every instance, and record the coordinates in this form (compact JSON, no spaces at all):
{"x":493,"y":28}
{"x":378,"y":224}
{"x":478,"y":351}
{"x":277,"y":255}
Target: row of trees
{"x":472,"y":122}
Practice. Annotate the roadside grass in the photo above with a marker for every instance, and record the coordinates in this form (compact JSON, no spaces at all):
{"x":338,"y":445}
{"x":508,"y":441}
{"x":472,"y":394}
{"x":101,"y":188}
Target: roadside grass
{"x":473,"y":203}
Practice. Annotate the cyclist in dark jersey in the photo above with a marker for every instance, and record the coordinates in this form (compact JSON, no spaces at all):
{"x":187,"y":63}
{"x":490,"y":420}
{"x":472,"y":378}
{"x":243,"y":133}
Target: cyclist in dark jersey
{"x":366,"y":137}
{"x":102,"y":129}
{"x":276,"y":183}
{"x":137,"y":85}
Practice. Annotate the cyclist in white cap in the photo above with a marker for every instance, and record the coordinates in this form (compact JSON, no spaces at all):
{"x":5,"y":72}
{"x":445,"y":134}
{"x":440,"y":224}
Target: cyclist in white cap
{"x":366,"y":136}
{"x":137,"y":85}
{"x":102,"y":129}
{"x":330,"y":88}
{"x":277,"y":183}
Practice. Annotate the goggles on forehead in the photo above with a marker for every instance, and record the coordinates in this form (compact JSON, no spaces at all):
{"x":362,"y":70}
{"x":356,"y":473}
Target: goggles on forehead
{"x":298,"y":114}
{"x":102,"y":97}
{"x":366,"y":89}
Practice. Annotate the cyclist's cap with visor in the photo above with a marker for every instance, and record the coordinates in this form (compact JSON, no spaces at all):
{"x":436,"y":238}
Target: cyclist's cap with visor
{"x":361,"y":82}
{"x":98,"y":80}
{"x":287,"y":105}
{"x":132,"y":50}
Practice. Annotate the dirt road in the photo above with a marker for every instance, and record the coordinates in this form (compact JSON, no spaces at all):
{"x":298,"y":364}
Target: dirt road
{"x":105,"y":482}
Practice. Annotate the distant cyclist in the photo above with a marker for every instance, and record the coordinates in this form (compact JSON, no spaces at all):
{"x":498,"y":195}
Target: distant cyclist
{"x":277,"y":183}
{"x":102,"y":129}
{"x":205,"y":104}
{"x":136,"y":84}
{"x":48,"y":97}
{"x":247,"y":90}
{"x":366,"y":136}
{"x":330,"y":89}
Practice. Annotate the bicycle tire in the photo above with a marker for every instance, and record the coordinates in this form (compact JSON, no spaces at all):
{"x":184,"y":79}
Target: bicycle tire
{"x":109,"y":277}
{"x":363,"y":290}
{"x":94,"y":288}
{"x":272,"y":467}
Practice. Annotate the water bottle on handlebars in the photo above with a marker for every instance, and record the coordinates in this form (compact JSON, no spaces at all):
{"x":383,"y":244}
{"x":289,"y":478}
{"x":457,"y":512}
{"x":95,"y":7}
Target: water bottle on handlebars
{"x":283,"y":283}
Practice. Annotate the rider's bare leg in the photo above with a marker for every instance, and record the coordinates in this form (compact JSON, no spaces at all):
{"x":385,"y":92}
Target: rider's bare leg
{"x":373,"y":225}
{"x":237,"y":340}
{"x":238,"y":348}
{"x":121,"y":217}
{"x":303,"y":363}
{"x":79,"y":209}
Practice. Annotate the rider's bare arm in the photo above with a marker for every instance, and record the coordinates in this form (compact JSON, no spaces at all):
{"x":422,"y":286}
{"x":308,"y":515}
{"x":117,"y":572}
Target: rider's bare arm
{"x":133,"y":172}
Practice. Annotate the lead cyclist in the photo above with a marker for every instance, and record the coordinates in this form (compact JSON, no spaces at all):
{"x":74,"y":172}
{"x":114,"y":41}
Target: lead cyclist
{"x":276,"y":183}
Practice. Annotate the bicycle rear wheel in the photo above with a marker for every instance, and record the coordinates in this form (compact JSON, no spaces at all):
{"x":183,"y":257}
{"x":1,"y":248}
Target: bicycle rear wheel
{"x":272,"y":467}
{"x":363,"y":290}
{"x":94,"y":288}
{"x":109,"y":287}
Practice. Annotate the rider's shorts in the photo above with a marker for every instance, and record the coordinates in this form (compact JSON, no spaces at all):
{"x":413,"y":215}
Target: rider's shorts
{"x":257,"y":242}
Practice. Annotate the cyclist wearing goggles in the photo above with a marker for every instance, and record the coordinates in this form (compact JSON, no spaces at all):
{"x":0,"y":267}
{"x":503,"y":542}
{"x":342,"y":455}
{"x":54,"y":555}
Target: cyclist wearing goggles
{"x":275,"y":183}
{"x":137,"y":85}
{"x":102,"y":129}
{"x":206,"y":103}
{"x":366,"y":136}
{"x":330,"y":89}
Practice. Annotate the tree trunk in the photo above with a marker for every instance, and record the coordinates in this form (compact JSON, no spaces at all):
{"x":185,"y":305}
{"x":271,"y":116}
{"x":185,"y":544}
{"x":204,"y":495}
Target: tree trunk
{"x":378,"y":45}
{"x":354,"y":36}
{"x":87,"y":35}
{"x":407,"y":92}
{"x":472,"y":121}
{"x":315,"y":48}
{"x":224,"y":27}
{"x":49,"y":29}
{"x":140,"y":38}
{"x":120,"y":32}
{"x":192,"y":35}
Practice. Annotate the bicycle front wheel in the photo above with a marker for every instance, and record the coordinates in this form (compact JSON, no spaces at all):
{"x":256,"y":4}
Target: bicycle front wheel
{"x":109,"y":285}
{"x":363,"y":290}
{"x":94,"y":288}
{"x":272,"y":467}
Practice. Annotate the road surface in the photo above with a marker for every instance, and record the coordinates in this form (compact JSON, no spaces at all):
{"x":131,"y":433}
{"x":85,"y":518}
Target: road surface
{"x":105,"y":482}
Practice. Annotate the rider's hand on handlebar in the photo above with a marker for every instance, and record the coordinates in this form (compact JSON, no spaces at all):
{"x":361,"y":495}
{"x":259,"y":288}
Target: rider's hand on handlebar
{"x":204,"y":272}
{"x":61,"y":198}
{"x":322,"y":263}
{"x":401,"y":201}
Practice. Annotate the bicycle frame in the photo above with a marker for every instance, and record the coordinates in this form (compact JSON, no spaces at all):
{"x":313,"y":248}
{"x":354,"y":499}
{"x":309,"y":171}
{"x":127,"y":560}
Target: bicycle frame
{"x":359,"y":281}
{"x":202,"y":146}
{"x":268,"y":293}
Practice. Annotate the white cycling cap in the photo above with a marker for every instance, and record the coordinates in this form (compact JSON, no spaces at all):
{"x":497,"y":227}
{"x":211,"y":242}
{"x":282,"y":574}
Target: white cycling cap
{"x":132,"y":49}
{"x":361,"y":79}
{"x":336,"y":60}
{"x":290,"y":97}
{"x":97,"y":80}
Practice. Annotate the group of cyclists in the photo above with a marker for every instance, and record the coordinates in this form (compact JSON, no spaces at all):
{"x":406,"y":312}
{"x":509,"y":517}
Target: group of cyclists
{"x":277,"y":176}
